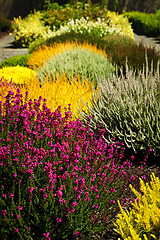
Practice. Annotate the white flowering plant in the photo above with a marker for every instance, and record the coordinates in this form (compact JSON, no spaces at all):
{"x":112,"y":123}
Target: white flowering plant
{"x":115,"y":24}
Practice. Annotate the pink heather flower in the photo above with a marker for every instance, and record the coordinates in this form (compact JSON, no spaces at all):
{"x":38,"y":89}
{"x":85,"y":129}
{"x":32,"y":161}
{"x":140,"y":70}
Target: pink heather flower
{"x":11,"y":195}
{"x":45,"y":195}
{"x":47,"y":236}
{"x":16,"y":230}
{"x":77,"y":233}
{"x":59,"y":193}
{"x":4,"y":195}
{"x":59,"y":220}
{"x":4,"y":212}
{"x":19,"y":207}
{"x":95,"y":206}
{"x":74,"y":204}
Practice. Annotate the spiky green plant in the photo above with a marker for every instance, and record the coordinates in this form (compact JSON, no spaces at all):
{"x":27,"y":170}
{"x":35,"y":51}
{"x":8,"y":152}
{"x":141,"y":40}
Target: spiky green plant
{"x":128,"y":107}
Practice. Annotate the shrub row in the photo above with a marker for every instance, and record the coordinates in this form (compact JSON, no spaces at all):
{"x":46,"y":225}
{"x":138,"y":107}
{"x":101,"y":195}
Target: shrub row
{"x":144,"y":23}
{"x":111,"y":24}
{"x":117,"y":48}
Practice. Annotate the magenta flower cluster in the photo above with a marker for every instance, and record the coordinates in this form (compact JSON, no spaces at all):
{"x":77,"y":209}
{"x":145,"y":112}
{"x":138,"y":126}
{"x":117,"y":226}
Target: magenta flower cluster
{"x":58,"y":179}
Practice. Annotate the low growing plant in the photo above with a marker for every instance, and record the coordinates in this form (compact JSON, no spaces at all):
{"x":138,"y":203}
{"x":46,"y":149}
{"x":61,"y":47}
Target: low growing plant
{"x":58,"y":93}
{"x":117,"y":48}
{"x":128,"y":107}
{"x":143,"y":218}
{"x":72,"y":59}
{"x":15,"y":60}
{"x":108,"y":42}
{"x":59,"y":180}
{"x":99,"y":28}
{"x":5,"y":86}
{"x":18,"y":74}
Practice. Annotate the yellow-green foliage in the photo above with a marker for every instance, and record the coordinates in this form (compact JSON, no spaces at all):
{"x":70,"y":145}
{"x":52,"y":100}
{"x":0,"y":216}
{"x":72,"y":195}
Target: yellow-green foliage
{"x":142,"y":221}
{"x":120,"y":22}
{"x":60,"y":92}
{"x":18,"y":74}
{"x":30,"y":29}
{"x":45,"y":53}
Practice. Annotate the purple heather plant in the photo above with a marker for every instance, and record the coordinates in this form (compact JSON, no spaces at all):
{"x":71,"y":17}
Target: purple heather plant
{"x":58,"y":179}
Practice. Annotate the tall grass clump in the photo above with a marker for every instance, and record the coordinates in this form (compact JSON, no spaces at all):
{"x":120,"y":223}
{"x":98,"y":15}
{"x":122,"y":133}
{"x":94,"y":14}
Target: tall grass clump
{"x":128,"y":107}
{"x":143,"y":218}
{"x":59,"y":180}
{"x":74,"y":58}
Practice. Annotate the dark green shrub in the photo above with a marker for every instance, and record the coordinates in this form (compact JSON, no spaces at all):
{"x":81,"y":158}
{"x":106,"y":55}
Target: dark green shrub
{"x":144,"y":23}
{"x":14,"y":61}
{"x":5,"y":24}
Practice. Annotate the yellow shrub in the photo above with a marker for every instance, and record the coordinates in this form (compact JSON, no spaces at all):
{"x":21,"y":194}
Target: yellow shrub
{"x":44,"y":53}
{"x":142,"y":221}
{"x":30,"y":29}
{"x":61,"y":92}
{"x":120,"y":22}
{"x":17,"y":74}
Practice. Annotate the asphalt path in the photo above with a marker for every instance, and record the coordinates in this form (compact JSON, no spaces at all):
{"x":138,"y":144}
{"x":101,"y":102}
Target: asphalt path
{"x":7,"y":48}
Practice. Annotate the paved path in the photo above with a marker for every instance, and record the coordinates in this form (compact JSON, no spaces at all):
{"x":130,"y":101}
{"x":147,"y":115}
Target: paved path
{"x":7,"y":48}
{"x":148,"y":41}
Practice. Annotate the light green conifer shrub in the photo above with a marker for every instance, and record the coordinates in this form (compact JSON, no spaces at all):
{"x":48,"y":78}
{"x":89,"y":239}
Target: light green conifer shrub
{"x":142,"y":220}
{"x":77,"y":60}
{"x":128,"y":107}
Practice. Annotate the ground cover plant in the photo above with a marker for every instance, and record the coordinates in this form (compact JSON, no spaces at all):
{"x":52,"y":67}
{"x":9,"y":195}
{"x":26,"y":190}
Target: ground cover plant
{"x":58,"y":178}
{"x":128,"y":108}
{"x":142,"y":219}
{"x":59,"y":92}
{"x":100,"y":28}
{"x":15,"y":60}
{"x":118,"y":49}
{"x":18,"y":74}
{"x":71,"y":58}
